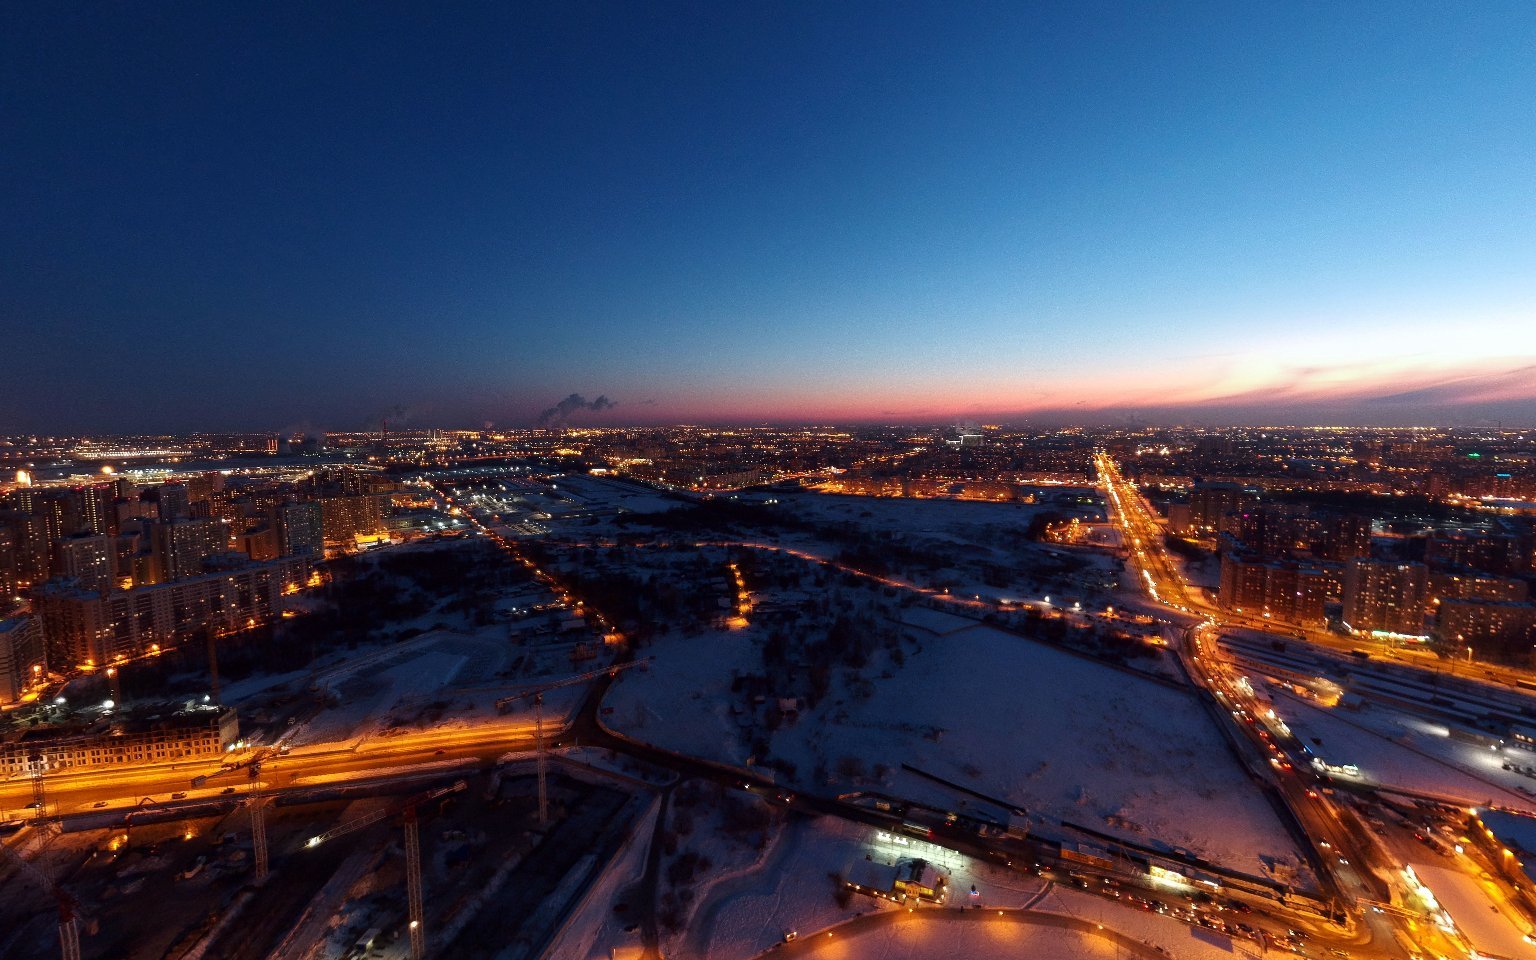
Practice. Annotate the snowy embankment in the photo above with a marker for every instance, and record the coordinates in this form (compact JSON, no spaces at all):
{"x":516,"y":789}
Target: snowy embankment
{"x":593,"y":929}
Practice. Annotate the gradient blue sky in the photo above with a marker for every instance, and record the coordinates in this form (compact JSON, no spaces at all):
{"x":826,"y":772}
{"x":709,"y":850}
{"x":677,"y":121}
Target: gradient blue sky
{"x":264,"y":216}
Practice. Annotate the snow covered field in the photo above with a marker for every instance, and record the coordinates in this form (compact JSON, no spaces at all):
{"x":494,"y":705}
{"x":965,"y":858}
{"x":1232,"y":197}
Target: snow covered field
{"x":1063,"y":737}
{"x":594,"y":930}
{"x":598,"y":493}
{"x":438,"y":679}
{"x":1397,"y":750}
{"x":795,"y":889}
{"x":963,"y":519}
{"x":1487,"y":929}
{"x":969,"y":536}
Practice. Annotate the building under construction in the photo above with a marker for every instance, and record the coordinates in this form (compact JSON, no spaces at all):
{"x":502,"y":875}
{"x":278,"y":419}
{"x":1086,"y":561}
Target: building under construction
{"x":146,"y":736}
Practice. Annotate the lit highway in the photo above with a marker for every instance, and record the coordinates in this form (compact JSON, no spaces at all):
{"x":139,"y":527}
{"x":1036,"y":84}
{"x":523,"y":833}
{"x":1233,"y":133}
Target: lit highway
{"x":1352,"y":858}
{"x":1344,"y":858}
{"x":96,"y":792}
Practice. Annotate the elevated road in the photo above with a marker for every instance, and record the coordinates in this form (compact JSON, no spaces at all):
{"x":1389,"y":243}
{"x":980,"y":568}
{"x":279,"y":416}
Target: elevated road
{"x":105,"y":791}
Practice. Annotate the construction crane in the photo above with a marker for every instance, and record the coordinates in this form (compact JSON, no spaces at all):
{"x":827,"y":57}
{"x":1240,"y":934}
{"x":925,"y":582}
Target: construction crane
{"x":255,"y":758}
{"x":537,"y":693}
{"x":413,"y":891}
{"x":255,"y":801}
{"x":213,"y":666}
{"x":39,"y":789}
{"x":69,"y":907}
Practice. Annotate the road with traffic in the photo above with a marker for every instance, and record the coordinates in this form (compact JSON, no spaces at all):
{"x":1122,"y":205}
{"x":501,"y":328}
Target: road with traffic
{"x":1353,"y":860}
{"x":167,"y":785}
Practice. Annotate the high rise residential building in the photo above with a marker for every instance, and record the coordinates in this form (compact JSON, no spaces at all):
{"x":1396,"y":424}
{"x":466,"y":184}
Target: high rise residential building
{"x":1494,"y":552}
{"x":32,"y":550}
{"x":260,"y":543}
{"x":89,"y":558}
{"x":20,"y":499}
{"x":346,"y":518}
{"x":22,"y":658}
{"x":9,"y":585}
{"x":1385,"y":596}
{"x":1283,"y":590}
{"x":1275,"y":530}
{"x":1211,"y":503}
{"x":175,"y":504}
{"x":201,"y":488}
{"x":1493,"y":629}
{"x":127,"y":547}
{"x":86,"y":627}
{"x":301,"y":531}
{"x":97,"y":511}
{"x":1464,"y":583}
{"x":1345,"y":536}
{"x":59,"y":510}
{"x":182,"y":545}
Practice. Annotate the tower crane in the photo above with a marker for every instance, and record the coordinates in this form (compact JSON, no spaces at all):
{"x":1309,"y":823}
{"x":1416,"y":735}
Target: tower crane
{"x":69,"y":907}
{"x":39,"y":790}
{"x":255,"y":801}
{"x":413,"y":891}
{"x":537,"y":693}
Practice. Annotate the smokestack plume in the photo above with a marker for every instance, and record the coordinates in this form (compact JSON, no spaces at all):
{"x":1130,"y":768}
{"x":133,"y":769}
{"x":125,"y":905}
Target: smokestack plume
{"x":559,"y":414}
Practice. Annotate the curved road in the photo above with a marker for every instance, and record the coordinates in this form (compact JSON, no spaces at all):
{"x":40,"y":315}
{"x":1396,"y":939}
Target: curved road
{"x":869,"y":922}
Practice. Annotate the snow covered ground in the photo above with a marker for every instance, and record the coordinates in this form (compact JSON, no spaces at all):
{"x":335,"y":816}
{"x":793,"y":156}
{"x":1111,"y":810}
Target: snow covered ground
{"x":441,"y":678}
{"x":1063,"y":737}
{"x":1487,"y":929}
{"x":1179,"y":940}
{"x":598,"y":493}
{"x":594,"y":930}
{"x":969,"y":536}
{"x":794,"y":891}
{"x":1064,"y":927}
{"x":972,"y":520}
{"x":1397,"y":750}
{"x":972,"y":548}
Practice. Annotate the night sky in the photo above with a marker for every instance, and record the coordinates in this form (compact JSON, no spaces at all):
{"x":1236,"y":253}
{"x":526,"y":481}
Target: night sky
{"x":274,"y":216}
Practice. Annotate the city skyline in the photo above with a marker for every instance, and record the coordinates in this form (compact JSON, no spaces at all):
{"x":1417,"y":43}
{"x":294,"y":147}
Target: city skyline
{"x":291,"y":218}
{"x":851,"y":481}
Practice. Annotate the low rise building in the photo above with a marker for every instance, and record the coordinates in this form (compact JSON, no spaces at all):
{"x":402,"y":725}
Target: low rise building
{"x":192,"y":732}
{"x":907,"y":878}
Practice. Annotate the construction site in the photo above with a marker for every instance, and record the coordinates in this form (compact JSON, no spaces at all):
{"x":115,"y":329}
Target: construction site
{"x":463,"y":862}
